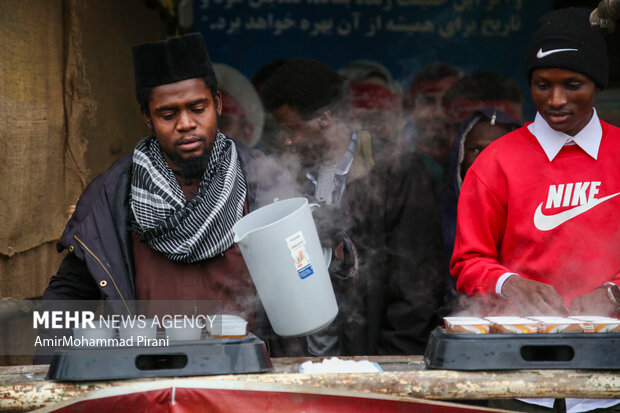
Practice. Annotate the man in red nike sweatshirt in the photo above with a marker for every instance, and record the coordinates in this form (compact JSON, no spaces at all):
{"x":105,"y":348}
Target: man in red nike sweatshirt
{"x":538,"y":225}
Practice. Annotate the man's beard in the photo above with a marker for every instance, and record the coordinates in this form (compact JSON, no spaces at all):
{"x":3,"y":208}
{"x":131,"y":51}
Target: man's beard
{"x":190,"y":168}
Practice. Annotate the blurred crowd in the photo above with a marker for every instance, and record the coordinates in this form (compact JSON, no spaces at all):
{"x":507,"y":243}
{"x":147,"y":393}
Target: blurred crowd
{"x":443,"y":118}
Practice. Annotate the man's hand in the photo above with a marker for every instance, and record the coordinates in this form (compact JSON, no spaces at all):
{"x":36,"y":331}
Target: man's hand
{"x":330,"y":224}
{"x":533,"y":297}
{"x":595,"y":302}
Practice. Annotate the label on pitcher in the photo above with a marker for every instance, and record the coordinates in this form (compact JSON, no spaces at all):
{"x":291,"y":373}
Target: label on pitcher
{"x":297,"y":245}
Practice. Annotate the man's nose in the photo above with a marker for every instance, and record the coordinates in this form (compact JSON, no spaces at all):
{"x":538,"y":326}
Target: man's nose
{"x":288,"y":144}
{"x":186,"y":121}
{"x":557,"y":97}
{"x":285,"y":138}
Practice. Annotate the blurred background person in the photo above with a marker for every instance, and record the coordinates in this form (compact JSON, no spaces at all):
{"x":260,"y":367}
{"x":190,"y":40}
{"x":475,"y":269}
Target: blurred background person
{"x":378,"y":198}
{"x":481,"y":90}
{"x":271,"y":142}
{"x":264,"y":72}
{"x":467,"y":94}
{"x":425,"y":128}
{"x":376,"y":102}
{"x":422,"y":102}
{"x":243,"y":116}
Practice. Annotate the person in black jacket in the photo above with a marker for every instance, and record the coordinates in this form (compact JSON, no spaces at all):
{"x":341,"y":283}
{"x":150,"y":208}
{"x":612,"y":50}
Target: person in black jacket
{"x":157,"y":225}
{"x":380,"y":200}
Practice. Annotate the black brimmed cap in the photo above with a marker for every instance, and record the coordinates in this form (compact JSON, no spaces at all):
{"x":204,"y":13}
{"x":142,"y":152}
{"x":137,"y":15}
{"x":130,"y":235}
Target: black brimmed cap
{"x":172,"y":60}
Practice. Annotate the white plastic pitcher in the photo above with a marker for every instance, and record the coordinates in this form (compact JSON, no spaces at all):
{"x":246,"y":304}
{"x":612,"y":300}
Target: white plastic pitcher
{"x":282,"y":251}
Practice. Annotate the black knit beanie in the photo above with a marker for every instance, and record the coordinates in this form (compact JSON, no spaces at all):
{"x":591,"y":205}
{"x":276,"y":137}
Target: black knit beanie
{"x":172,"y":60}
{"x":565,"y":40}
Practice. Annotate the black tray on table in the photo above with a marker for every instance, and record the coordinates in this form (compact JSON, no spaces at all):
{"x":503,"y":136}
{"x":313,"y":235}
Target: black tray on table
{"x":597,"y":351}
{"x":207,"y":356}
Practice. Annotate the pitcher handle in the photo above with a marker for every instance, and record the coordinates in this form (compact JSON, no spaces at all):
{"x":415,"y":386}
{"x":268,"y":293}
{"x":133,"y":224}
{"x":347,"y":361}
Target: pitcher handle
{"x":327,"y":252}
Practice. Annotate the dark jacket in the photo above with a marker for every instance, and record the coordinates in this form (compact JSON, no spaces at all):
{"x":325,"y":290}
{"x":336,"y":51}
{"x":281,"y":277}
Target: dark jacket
{"x":100,"y":259}
{"x":390,"y":214}
{"x":412,"y":230}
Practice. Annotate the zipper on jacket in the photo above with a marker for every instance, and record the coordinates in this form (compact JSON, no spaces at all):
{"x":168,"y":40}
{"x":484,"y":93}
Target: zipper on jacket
{"x":107,"y":272}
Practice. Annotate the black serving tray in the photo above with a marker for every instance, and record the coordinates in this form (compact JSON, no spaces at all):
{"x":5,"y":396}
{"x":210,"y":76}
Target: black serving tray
{"x":186,"y":358}
{"x":598,"y":351}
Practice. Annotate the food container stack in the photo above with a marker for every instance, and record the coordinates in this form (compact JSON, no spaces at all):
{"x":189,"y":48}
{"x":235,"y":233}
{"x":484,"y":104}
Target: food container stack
{"x":227,"y":326}
{"x":466,"y":325}
{"x":512,"y":325}
{"x":560,"y":325}
{"x":531,"y":325}
{"x":599,"y":324}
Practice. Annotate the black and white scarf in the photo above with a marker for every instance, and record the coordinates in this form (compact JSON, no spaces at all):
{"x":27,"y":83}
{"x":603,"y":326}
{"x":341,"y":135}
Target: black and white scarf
{"x":186,"y":231}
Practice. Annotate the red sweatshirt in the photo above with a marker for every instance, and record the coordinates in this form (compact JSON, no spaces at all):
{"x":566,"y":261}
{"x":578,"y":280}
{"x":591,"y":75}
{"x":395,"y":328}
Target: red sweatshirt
{"x":557,"y":221}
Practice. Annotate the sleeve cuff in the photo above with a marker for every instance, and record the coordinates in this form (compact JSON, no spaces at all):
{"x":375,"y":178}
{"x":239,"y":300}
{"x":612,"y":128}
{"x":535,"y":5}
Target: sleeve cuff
{"x":501,"y":281}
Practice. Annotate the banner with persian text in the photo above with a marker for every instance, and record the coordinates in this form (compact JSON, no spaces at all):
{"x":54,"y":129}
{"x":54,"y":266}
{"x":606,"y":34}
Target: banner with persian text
{"x":403,"y":35}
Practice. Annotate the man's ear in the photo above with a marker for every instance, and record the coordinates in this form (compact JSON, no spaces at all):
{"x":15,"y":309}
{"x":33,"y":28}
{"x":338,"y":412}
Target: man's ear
{"x":217,"y":101}
{"x":146,"y":117}
{"x":325,"y":119}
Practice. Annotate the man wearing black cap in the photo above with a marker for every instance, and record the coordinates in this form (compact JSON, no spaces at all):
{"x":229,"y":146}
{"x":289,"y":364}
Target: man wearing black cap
{"x":537,"y":226}
{"x":158,"y":224}
{"x":537,"y":214}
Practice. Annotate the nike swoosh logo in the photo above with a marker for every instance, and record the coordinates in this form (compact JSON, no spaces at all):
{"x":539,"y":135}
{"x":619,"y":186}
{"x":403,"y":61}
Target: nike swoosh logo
{"x":548,"y":222}
{"x":540,"y":54}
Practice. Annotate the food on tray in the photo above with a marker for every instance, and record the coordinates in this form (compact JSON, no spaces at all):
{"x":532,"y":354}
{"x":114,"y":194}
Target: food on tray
{"x":512,"y":325}
{"x":549,"y":324}
{"x":227,"y":326}
{"x":600,"y":324}
{"x":466,"y":325}
{"x":531,"y":324}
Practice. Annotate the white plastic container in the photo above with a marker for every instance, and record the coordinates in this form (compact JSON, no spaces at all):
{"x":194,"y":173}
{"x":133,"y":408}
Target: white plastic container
{"x":554,"y":324}
{"x":599,"y":324}
{"x":466,"y":325}
{"x":282,"y":251}
{"x":512,"y":325}
{"x":188,"y":330}
{"x":227,"y":326}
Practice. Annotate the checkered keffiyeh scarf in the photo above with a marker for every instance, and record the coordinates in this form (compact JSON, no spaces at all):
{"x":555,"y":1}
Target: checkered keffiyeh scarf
{"x":186,"y":231}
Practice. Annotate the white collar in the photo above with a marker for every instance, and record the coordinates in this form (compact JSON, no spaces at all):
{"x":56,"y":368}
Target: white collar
{"x":552,"y":141}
